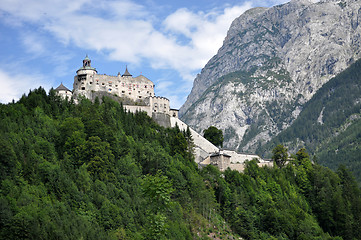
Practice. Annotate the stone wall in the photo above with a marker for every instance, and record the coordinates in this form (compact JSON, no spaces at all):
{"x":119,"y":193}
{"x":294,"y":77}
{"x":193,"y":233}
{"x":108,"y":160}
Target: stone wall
{"x":137,"y":88}
{"x":241,"y":157}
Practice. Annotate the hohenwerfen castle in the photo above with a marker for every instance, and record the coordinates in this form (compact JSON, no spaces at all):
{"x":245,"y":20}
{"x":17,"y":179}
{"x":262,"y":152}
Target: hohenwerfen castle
{"x":137,"y":94}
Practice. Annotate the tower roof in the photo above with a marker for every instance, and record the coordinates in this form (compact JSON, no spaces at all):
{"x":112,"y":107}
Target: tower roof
{"x":126,"y":73}
{"x":62,"y":88}
{"x":87,"y":64}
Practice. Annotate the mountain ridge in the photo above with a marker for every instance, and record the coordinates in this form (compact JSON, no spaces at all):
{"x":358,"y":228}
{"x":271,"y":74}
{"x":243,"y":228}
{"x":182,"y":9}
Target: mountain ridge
{"x":289,"y":51}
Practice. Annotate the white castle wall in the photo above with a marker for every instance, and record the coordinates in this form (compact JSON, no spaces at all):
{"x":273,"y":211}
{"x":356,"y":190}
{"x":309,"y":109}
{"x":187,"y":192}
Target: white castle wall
{"x":159,"y":104}
{"x":203,"y":146}
{"x":204,"y":149}
{"x":137,"y":88}
{"x":241,"y":157}
{"x":134,"y":109}
{"x":65,"y":94}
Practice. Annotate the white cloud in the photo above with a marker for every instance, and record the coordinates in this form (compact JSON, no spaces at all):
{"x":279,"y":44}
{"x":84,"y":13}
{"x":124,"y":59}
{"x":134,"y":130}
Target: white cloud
{"x":32,"y":43}
{"x":13,"y":86}
{"x":188,"y":40}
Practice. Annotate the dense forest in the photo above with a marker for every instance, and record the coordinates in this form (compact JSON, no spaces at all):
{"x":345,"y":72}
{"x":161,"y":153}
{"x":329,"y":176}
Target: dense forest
{"x":329,"y":126}
{"x":94,"y":171}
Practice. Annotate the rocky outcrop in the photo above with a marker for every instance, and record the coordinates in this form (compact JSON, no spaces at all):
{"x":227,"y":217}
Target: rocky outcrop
{"x":272,"y":62}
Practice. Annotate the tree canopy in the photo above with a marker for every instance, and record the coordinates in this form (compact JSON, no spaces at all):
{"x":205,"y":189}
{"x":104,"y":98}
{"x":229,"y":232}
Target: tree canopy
{"x":94,"y":171}
{"x":214,"y":135}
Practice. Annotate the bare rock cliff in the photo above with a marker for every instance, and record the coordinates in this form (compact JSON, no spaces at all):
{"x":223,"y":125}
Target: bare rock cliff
{"x":271,"y":63}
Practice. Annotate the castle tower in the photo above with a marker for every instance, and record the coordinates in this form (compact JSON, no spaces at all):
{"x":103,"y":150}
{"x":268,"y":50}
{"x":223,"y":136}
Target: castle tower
{"x":84,"y":78}
{"x":63,"y":91}
{"x":86,"y":62}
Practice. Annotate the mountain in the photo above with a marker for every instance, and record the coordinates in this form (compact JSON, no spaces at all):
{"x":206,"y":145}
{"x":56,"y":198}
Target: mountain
{"x":329,"y":125}
{"x":272,"y":62}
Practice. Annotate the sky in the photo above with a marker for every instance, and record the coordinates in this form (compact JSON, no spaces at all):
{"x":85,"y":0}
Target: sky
{"x":43,"y":42}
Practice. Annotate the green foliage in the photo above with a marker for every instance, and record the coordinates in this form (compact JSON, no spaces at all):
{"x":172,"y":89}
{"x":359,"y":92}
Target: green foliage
{"x":280,"y":155}
{"x":214,"y":135}
{"x":93,"y":171}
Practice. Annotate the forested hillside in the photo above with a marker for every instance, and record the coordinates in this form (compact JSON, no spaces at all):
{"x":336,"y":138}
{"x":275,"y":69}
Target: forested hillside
{"x":329,"y":125}
{"x":93,"y":171}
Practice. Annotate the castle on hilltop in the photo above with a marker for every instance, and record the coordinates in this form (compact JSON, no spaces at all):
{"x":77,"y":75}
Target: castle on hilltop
{"x":136,"y":93}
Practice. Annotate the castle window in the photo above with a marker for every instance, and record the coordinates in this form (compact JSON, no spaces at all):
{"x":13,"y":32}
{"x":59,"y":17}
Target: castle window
{"x":123,"y":91}
{"x":165,"y":105}
{"x":140,"y":96}
{"x":130,"y":93}
{"x":90,"y":82}
{"x":83,"y":88}
{"x":116,"y":85}
{"x":138,"y":91}
{"x":103,"y":84}
{"x":145,"y":86}
{"x":110,"y":89}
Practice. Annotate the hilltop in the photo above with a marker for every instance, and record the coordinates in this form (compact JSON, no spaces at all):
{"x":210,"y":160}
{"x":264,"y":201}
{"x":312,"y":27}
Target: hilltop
{"x":94,"y":171}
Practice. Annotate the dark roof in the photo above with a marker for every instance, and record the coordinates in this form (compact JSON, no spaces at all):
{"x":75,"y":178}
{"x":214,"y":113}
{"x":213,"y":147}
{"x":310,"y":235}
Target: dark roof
{"x":218,"y":154}
{"x":126,"y":73}
{"x":62,"y":88}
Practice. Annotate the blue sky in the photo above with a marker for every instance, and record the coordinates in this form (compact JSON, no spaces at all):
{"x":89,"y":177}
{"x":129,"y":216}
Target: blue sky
{"x":43,"y":42}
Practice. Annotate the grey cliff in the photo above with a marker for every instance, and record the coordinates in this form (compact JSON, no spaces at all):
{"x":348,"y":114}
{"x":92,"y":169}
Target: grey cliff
{"x":271,"y":63}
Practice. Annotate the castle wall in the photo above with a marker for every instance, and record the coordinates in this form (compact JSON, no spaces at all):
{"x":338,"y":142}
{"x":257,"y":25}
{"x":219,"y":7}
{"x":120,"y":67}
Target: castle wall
{"x":159,"y":104}
{"x":134,"y":109}
{"x":137,"y":88}
{"x":173,"y":112}
{"x":221,"y":161}
{"x":240,"y":157}
{"x":198,"y":139}
{"x":65,"y":94}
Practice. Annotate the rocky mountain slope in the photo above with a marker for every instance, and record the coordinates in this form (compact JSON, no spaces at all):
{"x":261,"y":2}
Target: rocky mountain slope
{"x":271,"y":63}
{"x":329,"y":126}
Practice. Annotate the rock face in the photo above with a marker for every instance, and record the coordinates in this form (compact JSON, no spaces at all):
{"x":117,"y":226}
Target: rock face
{"x":271,"y":63}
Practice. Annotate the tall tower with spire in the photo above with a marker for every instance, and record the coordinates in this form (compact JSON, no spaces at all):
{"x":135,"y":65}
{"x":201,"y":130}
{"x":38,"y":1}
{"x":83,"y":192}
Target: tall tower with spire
{"x":84,"y":77}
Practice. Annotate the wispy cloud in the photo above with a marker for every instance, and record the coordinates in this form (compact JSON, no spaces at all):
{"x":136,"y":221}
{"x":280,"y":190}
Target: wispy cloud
{"x":14,"y":85}
{"x":186,"y":41}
